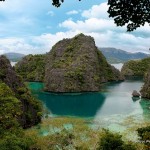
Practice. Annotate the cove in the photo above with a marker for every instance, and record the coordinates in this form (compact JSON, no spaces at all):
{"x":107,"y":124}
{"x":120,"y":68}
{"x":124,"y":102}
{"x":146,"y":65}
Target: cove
{"x":114,"y":101}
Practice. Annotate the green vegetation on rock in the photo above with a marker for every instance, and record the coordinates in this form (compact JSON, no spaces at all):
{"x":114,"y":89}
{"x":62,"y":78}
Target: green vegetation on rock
{"x":31,"y":67}
{"x":145,"y":91}
{"x":18,"y":109}
{"x":136,"y":67}
{"x":13,"y":89}
{"x":75,"y":65}
{"x":11,"y":134}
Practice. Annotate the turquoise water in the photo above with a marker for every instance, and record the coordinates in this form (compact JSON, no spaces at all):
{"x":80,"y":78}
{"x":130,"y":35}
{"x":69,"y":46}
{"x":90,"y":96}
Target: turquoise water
{"x":115,"y":99}
{"x":112,"y":108}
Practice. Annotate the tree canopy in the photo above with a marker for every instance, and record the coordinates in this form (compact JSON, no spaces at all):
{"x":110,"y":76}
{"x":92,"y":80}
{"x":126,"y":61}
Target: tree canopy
{"x":133,"y":13}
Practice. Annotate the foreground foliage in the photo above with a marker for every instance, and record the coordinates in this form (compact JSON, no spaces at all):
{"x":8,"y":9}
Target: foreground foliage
{"x":77,"y":134}
{"x":11,"y":134}
{"x":144,"y":136}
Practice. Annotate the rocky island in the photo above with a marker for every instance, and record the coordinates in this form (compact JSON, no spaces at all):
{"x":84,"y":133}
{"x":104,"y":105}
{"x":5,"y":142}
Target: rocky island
{"x":72,"y":65}
{"x":135,"y":67}
{"x":76,"y":65}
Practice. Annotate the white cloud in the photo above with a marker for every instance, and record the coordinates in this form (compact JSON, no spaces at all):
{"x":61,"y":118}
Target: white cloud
{"x":73,"y":12}
{"x":35,"y":44}
{"x":91,"y":24}
{"x":97,"y":11}
{"x":15,"y":45}
{"x":106,"y":33}
{"x":94,"y":22}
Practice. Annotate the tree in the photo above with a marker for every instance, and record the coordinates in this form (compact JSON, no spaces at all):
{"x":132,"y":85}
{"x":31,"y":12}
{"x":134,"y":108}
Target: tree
{"x":134,"y":13}
{"x":144,"y":136}
{"x":113,"y":141}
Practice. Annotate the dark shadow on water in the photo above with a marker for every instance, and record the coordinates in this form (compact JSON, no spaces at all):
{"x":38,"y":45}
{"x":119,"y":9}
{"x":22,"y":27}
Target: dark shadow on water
{"x":81,"y":105}
{"x":73,"y":104}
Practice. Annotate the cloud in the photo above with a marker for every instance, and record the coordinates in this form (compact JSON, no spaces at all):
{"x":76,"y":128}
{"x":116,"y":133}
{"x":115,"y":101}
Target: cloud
{"x":94,"y":22}
{"x":33,"y":44}
{"x":15,"y":45}
{"x":89,"y":25}
{"x":73,"y":12}
{"x":97,"y":11}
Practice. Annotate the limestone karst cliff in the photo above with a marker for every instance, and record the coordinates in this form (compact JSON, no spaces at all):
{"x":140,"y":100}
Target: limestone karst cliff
{"x":76,"y":65}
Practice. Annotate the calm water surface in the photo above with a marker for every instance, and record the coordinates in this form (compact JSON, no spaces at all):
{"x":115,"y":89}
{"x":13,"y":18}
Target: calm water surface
{"x":113,"y":106}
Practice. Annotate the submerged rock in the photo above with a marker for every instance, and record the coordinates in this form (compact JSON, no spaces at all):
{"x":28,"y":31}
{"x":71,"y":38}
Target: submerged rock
{"x":135,"y":94}
{"x":76,"y":65}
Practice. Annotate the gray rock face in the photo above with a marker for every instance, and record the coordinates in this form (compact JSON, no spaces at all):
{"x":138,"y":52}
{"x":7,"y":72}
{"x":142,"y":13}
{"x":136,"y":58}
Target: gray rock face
{"x":135,"y":94}
{"x":76,"y":65}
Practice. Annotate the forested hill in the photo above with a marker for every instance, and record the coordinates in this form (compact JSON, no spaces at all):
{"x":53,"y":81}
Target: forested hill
{"x":14,"y":56}
{"x":114,"y":55}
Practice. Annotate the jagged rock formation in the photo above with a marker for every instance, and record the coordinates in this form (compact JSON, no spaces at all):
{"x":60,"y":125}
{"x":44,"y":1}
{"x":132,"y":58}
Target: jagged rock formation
{"x":31,"y":67}
{"x":145,"y":91}
{"x":76,"y":65}
{"x":135,"y":94}
{"x":30,"y":107}
{"x":135,"y":67}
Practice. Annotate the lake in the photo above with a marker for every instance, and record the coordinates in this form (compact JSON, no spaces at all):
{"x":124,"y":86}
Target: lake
{"x":112,"y":107}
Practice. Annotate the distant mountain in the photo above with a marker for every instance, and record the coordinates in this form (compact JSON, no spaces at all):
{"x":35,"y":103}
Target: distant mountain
{"x":14,"y":56}
{"x":114,"y":55}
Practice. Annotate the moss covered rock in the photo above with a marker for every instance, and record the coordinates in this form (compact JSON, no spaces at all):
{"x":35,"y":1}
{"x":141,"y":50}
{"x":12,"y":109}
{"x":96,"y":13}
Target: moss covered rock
{"x":75,"y":65}
{"x":135,"y":67}
{"x":30,"y":108}
{"x":145,"y":91}
{"x":31,"y":67}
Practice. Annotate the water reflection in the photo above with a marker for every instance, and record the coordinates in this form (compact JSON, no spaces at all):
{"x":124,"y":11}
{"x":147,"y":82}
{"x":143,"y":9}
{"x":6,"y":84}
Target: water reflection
{"x":77,"y":104}
{"x":115,"y":99}
{"x":82,"y":105}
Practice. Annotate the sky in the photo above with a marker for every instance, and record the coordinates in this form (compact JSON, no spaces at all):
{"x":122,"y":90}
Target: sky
{"x":34,"y":26}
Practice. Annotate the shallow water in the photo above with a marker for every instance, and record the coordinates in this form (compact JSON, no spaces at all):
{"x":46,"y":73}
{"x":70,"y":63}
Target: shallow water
{"x":113,"y":107}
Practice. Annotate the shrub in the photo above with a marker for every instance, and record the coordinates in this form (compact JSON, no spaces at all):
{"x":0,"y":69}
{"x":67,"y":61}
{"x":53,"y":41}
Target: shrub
{"x":113,"y":141}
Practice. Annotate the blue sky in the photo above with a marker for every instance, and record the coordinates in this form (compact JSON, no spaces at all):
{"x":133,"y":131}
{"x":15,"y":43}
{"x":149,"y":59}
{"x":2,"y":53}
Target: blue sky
{"x":28,"y":26}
